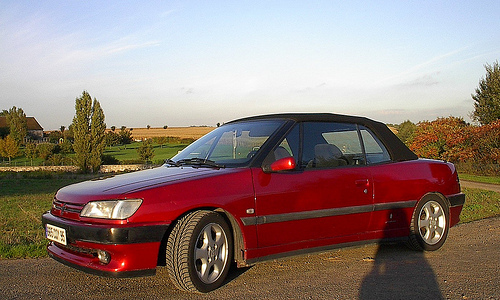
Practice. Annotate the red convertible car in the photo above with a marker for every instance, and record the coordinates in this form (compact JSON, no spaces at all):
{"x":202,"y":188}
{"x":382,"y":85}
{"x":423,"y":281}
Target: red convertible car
{"x":255,"y":189}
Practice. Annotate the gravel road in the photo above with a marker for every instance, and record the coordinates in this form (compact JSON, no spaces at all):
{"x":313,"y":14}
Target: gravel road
{"x":467,"y":267}
{"x":480,"y":185}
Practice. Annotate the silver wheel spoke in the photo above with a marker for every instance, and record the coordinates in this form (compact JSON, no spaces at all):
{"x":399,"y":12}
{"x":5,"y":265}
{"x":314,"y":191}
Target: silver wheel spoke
{"x":431,"y":222}
{"x":211,"y":256}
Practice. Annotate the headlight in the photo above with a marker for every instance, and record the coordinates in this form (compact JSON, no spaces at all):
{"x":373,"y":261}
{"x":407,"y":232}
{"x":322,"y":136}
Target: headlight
{"x":111,"y":209}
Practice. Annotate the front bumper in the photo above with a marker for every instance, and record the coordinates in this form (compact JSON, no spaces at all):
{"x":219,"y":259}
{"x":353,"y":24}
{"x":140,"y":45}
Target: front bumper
{"x":133,"y":249}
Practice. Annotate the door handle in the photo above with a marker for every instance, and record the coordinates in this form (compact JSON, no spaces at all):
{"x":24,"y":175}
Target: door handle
{"x":362,"y":183}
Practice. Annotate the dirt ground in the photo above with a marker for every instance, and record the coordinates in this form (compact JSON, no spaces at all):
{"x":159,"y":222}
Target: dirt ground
{"x":466,"y":267}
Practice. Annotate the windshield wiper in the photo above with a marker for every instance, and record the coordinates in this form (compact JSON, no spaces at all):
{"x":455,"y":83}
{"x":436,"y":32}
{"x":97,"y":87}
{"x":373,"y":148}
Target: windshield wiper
{"x":171,"y":162}
{"x":195,"y":162}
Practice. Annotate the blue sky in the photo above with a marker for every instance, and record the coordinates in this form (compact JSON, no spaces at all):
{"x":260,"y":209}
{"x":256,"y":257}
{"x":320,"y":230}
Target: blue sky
{"x":182,"y":63}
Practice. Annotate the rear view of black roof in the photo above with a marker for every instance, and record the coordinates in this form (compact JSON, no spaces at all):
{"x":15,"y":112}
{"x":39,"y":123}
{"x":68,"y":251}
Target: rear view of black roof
{"x":397,"y":149}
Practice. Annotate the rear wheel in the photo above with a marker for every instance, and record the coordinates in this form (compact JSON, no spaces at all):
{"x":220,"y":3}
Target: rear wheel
{"x":199,"y":252}
{"x":429,"y":226}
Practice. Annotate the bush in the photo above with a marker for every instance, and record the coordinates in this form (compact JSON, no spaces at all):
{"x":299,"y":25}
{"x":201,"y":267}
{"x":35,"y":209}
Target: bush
{"x":109,"y":160}
{"x":452,"y":139}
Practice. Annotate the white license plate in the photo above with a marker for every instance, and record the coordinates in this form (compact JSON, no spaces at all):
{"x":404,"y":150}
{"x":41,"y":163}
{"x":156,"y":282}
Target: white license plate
{"x":56,"y":234}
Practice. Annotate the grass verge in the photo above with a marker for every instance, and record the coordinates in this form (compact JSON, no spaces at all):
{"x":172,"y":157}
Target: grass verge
{"x":22,"y":202}
{"x":24,"y":198}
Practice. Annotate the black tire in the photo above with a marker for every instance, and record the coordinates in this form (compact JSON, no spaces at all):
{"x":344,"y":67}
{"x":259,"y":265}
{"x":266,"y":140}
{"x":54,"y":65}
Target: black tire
{"x":199,"y":252}
{"x":429,"y":224}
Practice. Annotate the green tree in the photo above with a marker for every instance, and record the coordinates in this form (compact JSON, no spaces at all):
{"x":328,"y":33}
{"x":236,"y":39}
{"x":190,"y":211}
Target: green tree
{"x":162,"y":140}
{"x":55,"y":136}
{"x":487,"y":96}
{"x":88,"y":131}
{"x":97,"y":131}
{"x":66,"y":147}
{"x":146,"y":151}
{"x":16,"y":118}
{"x":45,"y":150}
{"x":112,"y":138}
{"x":9,"y":148}
{"x":406,"y":130}
{"x":125,"y":136}
{"x":30,"y":151}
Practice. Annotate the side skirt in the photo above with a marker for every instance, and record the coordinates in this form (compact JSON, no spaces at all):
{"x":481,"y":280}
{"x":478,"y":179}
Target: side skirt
{"x":325,"y":248}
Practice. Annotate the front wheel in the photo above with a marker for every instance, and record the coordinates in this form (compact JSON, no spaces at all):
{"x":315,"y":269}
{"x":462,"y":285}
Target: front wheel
{"x":429,"y":225}
{"x":199,"y":252}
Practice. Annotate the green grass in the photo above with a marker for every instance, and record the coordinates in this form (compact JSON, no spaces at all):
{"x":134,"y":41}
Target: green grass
{"x":22,"y":202}
{"x":25,"y":197}
{"x":128,"y":152}
{"x":479,"y":204}
{"x":124,"y":153}
{"x":479,"y":178}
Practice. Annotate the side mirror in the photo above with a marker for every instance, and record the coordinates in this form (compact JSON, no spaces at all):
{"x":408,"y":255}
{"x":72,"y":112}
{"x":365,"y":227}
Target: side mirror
{"x":284,"y":164}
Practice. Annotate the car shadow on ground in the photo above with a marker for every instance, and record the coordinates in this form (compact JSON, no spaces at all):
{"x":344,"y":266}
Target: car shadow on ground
{"x":392,"y":274}
{"x":398,"y":270}
{"x":234,"y":273}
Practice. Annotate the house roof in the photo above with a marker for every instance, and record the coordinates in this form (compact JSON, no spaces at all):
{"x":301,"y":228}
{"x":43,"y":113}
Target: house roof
{"x":31,"y":123}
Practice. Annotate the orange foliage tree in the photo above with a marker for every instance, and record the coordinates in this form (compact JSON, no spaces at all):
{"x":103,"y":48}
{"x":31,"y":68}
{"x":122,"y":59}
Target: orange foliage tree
{"x":444,"y":138}
{"x":452,"y":139}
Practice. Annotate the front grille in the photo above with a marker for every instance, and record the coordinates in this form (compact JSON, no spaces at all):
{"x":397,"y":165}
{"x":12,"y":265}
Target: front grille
{"x":66,"y":209}
{"x":79,"y":250}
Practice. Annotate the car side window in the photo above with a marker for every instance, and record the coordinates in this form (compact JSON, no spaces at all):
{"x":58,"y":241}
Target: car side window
{"x":329,"y":144}
{"x":374,"y":149}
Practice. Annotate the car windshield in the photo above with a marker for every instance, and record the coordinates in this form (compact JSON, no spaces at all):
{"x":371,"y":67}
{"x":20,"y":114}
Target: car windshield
{"x":230,"y":145}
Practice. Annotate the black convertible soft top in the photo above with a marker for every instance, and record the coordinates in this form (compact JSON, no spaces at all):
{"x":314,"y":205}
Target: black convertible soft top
{"x":397,"y":149}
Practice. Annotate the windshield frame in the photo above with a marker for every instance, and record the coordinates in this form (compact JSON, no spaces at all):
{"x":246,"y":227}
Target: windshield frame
{"x":215,"y":136}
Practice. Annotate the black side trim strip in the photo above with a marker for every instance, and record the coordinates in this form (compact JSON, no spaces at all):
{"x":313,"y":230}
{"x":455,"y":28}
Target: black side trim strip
{"x":394,"y":205}
{"x":457,"y":199}
{"x":126,"y":274}
{"x":105,"y":234}
{"x":331,"y":212}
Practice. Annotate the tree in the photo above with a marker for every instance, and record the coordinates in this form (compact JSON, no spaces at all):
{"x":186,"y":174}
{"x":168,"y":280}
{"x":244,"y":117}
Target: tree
{"x":112,"y":138}
{"x":88,"y":131}
{"x":55,"y":137}
{"x":406,"y":131}
{"x":487,"y":96}
{"x":444,"y":138}
{"x":146,"y":151}
{"x":162,"y":140}
{"x":45,"y":150}
{"x":9,"y":148}
{"x":97,"y":131}
{"x":30,"y":151}
{"x":16,"y":118}
{"x":125,"y":136}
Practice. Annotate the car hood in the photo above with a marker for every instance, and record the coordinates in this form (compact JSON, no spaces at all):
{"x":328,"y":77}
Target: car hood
{"x":120,"y":185}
